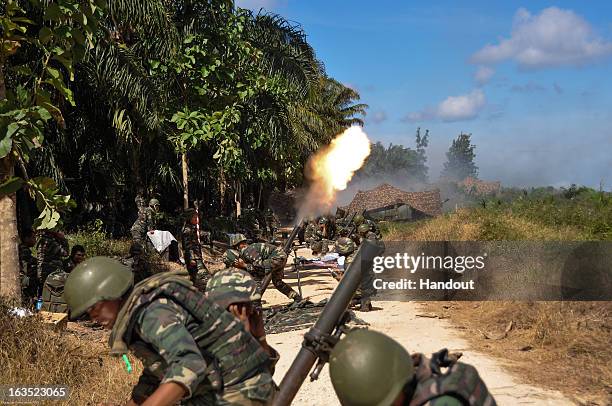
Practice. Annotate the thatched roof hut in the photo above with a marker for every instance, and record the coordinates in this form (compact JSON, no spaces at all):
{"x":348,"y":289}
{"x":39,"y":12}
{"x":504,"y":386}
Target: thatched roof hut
{"x":426,"y":203}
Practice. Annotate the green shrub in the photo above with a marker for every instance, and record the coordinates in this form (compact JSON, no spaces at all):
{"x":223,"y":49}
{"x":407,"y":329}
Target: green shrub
{"x":97,"y":242}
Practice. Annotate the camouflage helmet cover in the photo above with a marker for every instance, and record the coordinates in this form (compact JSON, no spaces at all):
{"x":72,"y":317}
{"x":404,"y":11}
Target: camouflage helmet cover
{"x":363,"y":228}
{"x":345,"y":246}
{"x":376,"y":376}
{"x":230,"y":256}
{"x":358,"y":219}
{"x":232,"y":285}
{"x":153,"y":202}
{"x":323,"y":220}
{"x":236,"y":239}
{"x":94,"y":280}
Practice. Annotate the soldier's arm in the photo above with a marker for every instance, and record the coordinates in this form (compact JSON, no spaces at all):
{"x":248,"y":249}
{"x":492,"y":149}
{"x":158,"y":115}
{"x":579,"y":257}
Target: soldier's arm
{"x":163,"y":326}
{"x":147,"y":384}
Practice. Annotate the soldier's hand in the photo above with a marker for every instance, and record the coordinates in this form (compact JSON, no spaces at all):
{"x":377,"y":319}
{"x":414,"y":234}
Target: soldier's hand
{"x":257,"y":324}
{"x":241,"y":313}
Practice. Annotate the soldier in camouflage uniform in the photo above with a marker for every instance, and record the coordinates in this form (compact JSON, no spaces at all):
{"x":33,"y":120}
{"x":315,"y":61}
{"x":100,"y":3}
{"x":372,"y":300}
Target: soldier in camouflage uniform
{"x":236,"y":290}
{"x":193,"y":350}
{"x":192,"y":248}
{"x":317,"y":237}
{"x":52,"y":247}
{"x":145,"y":222}
{"x":137,"y":262}
{"x":28,"y":266}
{"x":348,"y":249}
{"x":272,"y":224}
{"x":262,"y":258}
{"x":384,"y":373}
{"x":365,"y":232}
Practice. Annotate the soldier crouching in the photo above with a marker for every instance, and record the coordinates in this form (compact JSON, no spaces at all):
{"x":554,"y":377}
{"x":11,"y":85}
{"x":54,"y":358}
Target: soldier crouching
{"x":193,"y":351}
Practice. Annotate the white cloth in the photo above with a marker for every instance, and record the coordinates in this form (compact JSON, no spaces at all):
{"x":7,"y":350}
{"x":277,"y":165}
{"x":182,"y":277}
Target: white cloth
{"x":332,"y":256}
{"x":160,"y":239}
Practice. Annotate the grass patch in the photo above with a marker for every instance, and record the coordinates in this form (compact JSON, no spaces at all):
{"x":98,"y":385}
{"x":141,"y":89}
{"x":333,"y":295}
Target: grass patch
{"x":32,"y":354}
{"x":481,"y":225}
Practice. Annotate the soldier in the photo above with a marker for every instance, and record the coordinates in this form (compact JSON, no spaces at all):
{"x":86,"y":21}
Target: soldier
{"x":192,"y":248}
{"x":28,"y":265}
{"x":260,"y":259}
{"x":51,"y":249}
{"x":192,"y":350}
{"x":317,"y":236}
{"x":236,"y":290}
{"x":348,"y":249}
{"x":384,"y":373}
{"x":145,"y":222}
{"x":272,"y":224}
{"x":137,"y":262}
{"x":77,"y":255}
{"x":365,"y":232}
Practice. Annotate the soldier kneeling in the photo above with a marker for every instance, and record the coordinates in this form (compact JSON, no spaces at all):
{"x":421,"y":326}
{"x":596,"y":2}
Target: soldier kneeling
{"x":193,"y":350}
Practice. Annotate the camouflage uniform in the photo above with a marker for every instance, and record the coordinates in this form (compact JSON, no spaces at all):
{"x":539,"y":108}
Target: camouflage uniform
{"x":272,"y":223}
{"x":316,"y":239}
{"x":262,"y":258}
{"x":146,"y":221}
{"x":183,"y":337}
{"x":137,"y":263}
{"x":232,"y":285}
{"x":51,"y":249}
{"x":192,"y":251}
{"x":28,"y":268}
{"x":345,"y":246}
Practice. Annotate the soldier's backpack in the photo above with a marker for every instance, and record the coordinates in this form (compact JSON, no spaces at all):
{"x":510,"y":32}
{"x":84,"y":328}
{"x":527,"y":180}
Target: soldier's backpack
{"x":53,"y":293}
{"x":459,"y":380}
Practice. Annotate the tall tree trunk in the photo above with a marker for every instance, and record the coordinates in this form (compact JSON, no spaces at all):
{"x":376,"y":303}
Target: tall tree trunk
{"x":259,"y":196}
{"x":222,"y":187}
{"x":9,"y":239}
{"x":238,"y":197}
{"x":185,"y":181}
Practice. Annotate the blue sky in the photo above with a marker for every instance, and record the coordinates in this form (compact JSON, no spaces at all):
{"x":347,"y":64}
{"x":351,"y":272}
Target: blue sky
{"x":530,"y":81}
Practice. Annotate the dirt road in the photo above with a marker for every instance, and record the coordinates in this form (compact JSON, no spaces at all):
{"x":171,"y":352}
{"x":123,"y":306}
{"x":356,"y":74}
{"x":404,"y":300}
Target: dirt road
{"x":399,"y":320}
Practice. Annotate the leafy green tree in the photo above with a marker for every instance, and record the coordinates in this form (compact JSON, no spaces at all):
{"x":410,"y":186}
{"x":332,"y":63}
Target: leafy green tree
{"x":460,"y":159}
{"x":39,"y":44}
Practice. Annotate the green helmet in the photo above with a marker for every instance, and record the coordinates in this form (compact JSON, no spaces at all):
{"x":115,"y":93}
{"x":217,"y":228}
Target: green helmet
{"x":232,"y":285}
{"x":363,"y":228}
{"x":153,"y":202}
{"x":369,"y":368}
{"x":236,"y":239}
{"x":358,"y":219}
{"x":344,"y":246}
{"x":323,"y":220}
{"x":230,"y":256}
{"x":94,"y":280}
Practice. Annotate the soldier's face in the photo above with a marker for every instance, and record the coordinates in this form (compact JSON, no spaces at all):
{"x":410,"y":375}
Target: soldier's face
{"x":78,"y":257}
{"x":105,"y":312}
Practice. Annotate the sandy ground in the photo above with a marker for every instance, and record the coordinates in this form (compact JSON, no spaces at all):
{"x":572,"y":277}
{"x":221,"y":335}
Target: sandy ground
{"x":399,"y":320}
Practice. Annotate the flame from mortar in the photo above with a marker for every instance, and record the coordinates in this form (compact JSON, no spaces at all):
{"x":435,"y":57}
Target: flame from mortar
{"x":331,"y":168}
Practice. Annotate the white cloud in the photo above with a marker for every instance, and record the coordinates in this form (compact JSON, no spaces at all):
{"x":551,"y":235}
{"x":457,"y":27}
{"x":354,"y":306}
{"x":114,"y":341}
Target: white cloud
{"x":378,"y":117}
{"x":483,"y":74}
{"x":555,"y":37}
{"x":453,"y":108}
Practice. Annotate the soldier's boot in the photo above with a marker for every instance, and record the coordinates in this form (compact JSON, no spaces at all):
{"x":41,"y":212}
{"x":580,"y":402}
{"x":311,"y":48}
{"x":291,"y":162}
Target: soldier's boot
{"x":282,"y":287}
{"x":365,"y":304}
